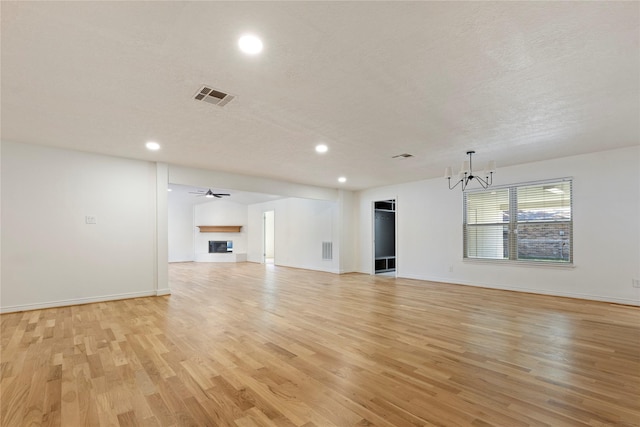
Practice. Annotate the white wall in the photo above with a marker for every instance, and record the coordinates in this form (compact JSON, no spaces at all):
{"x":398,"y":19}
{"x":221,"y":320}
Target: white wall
{"x":161,"y":240}
{"x":301,"y":225}
{"x":606,"y":208}
{"x":347,"y":219}
{"x":220,"y":212}
{"x":50,"y":256}
{"x":269,"y":234}
{"x":180,"y":230}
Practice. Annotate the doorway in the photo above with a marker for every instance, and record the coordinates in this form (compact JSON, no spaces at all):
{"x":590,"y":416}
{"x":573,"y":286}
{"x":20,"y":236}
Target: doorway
{"x":269,"y":254}
{"x":384,"y":237}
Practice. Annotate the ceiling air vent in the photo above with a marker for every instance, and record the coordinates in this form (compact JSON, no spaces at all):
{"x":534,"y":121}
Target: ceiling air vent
{"x":213,"y":96}
{"x":402,"y":156}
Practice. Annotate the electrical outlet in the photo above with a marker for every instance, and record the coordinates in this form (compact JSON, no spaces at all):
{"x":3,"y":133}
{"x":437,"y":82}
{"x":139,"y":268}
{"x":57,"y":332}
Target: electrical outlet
{"x":90,"y":219}
{"x":635,"y":283}
{"x":451,"y":269}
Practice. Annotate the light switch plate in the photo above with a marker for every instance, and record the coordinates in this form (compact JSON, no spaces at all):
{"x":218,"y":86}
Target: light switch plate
{"x":90,"y":219}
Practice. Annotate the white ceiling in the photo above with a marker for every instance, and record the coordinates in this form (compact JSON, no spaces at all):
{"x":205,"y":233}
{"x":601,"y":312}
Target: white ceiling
{"x":516,"y":81}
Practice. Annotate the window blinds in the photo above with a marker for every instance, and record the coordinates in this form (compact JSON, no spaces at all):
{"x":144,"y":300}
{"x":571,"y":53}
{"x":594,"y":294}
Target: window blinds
{"x":528,"y":222}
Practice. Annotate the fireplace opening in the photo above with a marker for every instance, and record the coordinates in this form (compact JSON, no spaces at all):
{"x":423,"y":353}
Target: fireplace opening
{"x":220,"y":246}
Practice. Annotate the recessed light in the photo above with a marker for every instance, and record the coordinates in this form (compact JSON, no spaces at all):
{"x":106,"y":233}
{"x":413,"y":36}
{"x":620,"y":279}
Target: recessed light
{"x":250,"y":44}
{"x":322,"y":148}
{"x":342,"y":179}
{"x":168,"y":189}
{"x":153,"y":146}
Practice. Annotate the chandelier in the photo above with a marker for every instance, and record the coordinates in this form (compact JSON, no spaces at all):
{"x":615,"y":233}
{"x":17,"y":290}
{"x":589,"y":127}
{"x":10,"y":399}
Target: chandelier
{"x":466,"y":174}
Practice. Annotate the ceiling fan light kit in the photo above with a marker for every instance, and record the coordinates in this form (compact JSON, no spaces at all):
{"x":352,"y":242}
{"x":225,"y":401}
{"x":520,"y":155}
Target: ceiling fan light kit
{"x":466,"y":174}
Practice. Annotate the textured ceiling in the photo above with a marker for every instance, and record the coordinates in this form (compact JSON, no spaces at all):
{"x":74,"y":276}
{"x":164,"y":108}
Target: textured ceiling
{"x":516,"y":81}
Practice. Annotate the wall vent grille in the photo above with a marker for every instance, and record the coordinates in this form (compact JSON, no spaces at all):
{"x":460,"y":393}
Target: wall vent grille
{"x":213,"y":96}
{"x":327,"y":250}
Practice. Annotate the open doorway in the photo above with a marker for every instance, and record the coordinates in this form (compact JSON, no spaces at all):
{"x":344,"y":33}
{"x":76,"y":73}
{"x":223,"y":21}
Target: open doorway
{"x":269,"y":238}
{"x":189,"y":207}
{"x":384,"y":237}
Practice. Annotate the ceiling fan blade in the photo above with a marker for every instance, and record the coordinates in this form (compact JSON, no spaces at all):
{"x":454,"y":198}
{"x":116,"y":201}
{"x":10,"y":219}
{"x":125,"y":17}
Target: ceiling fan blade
{"x":208,"y":193}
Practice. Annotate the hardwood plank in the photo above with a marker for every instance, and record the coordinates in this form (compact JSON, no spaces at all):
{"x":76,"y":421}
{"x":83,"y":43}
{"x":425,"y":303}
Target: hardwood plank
{"x":260,"y":345}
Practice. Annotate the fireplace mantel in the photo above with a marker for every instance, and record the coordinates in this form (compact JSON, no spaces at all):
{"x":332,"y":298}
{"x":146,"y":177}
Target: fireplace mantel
{"x":219,"y":228}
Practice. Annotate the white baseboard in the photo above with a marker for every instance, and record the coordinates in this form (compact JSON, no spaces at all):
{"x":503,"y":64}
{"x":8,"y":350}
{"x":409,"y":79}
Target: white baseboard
{"x":165,"y":291}
{"x":590,"y":297}
{"x":229,"y":257}
{"x":78,"y":301}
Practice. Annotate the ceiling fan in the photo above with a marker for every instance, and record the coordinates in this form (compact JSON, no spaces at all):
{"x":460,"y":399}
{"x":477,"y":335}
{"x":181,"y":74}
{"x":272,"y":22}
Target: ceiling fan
{"x":209,"y":194}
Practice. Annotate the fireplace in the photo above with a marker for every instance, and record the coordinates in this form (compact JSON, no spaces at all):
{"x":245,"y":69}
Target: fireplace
{"x":220,"y":246}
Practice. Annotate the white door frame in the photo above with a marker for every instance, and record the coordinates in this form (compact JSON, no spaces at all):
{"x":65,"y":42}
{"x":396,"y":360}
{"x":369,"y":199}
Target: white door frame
{"x":264,"y":235}
{"x":373,"y":232}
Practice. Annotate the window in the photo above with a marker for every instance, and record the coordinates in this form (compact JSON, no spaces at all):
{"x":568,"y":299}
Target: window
{"x":523,"y":222}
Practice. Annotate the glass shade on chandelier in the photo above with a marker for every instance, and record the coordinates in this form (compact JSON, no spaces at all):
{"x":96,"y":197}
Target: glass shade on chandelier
{"x":466,"y":174}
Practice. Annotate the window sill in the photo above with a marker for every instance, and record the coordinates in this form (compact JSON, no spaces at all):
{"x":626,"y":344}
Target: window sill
{"x":536,"y":264}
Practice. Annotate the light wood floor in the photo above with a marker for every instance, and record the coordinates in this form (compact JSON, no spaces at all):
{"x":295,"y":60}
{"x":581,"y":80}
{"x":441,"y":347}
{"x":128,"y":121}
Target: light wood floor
{"x":253,"y":345}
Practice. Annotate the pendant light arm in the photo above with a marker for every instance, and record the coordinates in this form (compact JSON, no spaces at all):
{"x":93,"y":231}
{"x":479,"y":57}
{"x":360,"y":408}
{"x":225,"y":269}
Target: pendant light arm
{"x":457,"y":183}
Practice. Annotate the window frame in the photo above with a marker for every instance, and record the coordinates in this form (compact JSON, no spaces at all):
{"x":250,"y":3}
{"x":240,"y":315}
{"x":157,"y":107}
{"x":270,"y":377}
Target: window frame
{"x":512,"y":225}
